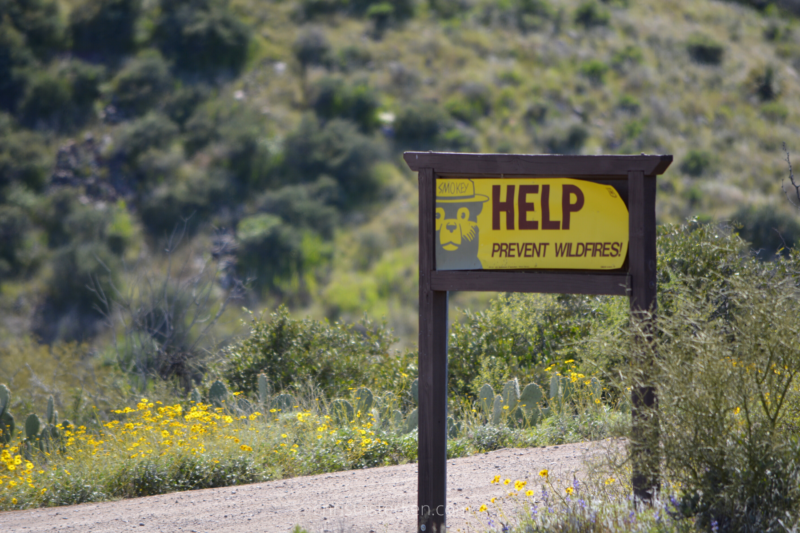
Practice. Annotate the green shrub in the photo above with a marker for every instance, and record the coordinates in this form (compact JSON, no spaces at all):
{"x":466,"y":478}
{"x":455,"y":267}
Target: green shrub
{"x":291,"y":352}
{"x":400,"y":9}
{"x":24,"y":159}
{"x":472,"y":103}
{"x":591,"y":15}
{"x":569,"y":141}
{"x":338,"y":150}
{"x":447,"y":9}
{"x":201,"y":36}
{"x":768,"y":230}
{"x":704,"y":49}
{"x":775,"y":112}
{"x":266,"y":236}
{"x":183,"y":202}
{"x":61,"y":98}
{"x":332,"y":98}
{"x":622,"y":60}
{"x":15,"y":58}
{"x":39,"y":21}
{"x":104,"y":28}
{"x":15,"y":230}
{"x":727,"y":401}
{"x":519,"y":335}
{"x":702,"y":257}
{"x":181,"y":104}
{"x":353,"y":57}
{"x":309,"y":206}
{"x":309,"y":9}
{"x":140,"y":84}
{"x":311,"y":48}
{"x":595,"y":70}
{"x":71,"y":309}
{"x":381,"y":15}
{"x":764,"y":83}
{"x":524,"y":15}
{"x":629,"y":103}
{"x":47,"y":97}
{"x":150,"y":131}
{"x":241,"y":154}
{"x":419,"y":125}
{"x":696,"y":163}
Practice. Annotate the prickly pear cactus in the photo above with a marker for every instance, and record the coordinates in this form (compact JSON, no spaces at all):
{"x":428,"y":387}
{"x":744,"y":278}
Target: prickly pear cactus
{"x":554,"y":388}
{"x":530,"y":401}
{"x":397,"y":420}
{"x":6,"y":420}
{"x":283,"y":403}
{"x":364,"y":401}
{"x":486,"y":399}
{"x":342,"y":412}
{"x":6,"y":427}
{"x":415,"y":390}
{"x":32,"y":425}
{"x":567,"y":389}
{"x":511,"y":393}
{"x":385,"y":405}
{"x":5,"y":399}
{"x":244,"y":406}
{"x":218,"y":393}
{"x":412,"y":422}
{"x":50,"y":410}
{"x":497,"y":410}
{"x":453,"y":428}
{"x":263,"y":389}
{"x":195,"y":397}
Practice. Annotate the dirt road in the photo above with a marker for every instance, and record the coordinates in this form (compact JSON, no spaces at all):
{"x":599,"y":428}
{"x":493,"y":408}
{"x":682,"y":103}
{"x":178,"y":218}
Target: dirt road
{"x":376,"y":499}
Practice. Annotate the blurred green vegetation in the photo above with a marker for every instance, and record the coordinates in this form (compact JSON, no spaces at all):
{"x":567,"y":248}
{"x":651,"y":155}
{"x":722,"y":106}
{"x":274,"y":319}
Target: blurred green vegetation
{"x":268,"y":136}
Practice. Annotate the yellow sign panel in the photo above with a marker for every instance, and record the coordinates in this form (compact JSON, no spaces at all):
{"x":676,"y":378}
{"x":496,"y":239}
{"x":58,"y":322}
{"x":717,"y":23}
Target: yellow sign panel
{"x":526,"y":223}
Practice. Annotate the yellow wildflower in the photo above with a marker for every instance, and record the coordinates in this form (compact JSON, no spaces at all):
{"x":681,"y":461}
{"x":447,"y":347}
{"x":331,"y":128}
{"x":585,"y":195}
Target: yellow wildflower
{"x":495,"y":479}
{"x":482,"y":508}
{"x":544,"y":473}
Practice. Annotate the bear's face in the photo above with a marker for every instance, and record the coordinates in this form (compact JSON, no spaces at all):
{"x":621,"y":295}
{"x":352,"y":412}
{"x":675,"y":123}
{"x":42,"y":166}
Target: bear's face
{"x":455,"y":228}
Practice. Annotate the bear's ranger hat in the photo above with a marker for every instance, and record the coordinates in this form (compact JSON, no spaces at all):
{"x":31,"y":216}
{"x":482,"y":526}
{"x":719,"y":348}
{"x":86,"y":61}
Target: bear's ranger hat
{"x":457,"y":191}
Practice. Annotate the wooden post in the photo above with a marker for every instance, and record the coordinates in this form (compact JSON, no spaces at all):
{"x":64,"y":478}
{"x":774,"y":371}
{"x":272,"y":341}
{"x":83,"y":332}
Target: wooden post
{"x":432,"y":460}
{"x":642,"y":269}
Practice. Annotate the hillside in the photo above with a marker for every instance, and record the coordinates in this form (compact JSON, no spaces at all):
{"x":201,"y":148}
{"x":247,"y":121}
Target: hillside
{"x":269,"y":135}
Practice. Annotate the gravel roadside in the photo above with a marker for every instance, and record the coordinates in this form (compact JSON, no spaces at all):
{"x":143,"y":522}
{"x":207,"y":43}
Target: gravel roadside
{"x":376,"y":499}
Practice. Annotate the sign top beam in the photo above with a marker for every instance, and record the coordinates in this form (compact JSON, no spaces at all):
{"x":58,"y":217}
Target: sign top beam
{"x":465,"y":164}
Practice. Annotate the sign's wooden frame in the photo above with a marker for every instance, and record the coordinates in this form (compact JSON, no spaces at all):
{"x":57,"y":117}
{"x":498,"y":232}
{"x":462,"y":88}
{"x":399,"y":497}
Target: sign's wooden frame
{"x":634,"y":177}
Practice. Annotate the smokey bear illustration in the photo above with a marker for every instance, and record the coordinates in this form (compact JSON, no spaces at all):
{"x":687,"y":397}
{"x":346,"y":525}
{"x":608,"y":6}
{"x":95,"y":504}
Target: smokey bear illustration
{"x":457,"y":232}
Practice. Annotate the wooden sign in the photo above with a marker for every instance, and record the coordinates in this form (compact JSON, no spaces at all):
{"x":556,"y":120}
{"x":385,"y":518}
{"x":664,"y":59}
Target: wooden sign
{"x":525,"y":223}
{"x":529,"y":223}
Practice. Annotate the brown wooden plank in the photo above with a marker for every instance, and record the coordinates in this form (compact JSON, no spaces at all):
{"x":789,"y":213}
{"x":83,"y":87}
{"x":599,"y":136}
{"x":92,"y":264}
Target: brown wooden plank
{"x":537,"y":165}
{"x":432,"y":460}
{"x":614,"y":284}
{"x":645,"y":477}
